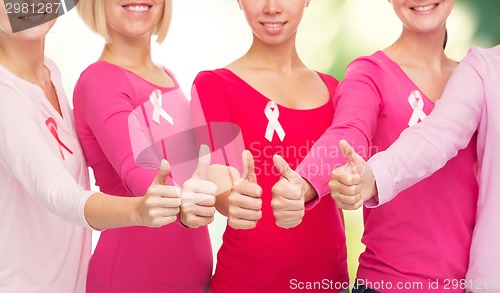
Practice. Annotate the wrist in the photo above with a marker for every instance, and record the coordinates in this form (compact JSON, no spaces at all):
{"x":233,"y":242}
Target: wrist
{"x":135,"y":214}
{"x":309,"y":192}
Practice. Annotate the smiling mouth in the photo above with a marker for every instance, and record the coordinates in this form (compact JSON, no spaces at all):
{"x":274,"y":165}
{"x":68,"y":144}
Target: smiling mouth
{"x":137,"y":7}
{"x":425,"y":8}
{"x":32,"y":17}
{"x":273,"y":25}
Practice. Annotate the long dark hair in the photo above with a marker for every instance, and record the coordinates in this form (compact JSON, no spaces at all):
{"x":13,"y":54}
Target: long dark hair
{"x":445,"y":38}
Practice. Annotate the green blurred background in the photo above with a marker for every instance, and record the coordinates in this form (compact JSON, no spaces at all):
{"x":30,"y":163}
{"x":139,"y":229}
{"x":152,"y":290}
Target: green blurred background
{"x":207,"y":34}
{"x":360,"y":27}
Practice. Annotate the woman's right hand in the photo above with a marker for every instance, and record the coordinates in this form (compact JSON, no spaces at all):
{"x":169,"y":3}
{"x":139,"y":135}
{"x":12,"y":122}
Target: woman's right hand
{"x":198,"y":194}
{"x":245,"y":201}
{"x":161,"y":203}
{"x":352,"y":184}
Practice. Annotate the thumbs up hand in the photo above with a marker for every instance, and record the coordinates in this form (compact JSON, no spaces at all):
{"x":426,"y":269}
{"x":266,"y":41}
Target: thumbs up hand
{"x":198,"y":194}
{"x":160,"y":205}
{"x":245,"y":201}
{"x":288,"y":201}
{"x":352,"y":184}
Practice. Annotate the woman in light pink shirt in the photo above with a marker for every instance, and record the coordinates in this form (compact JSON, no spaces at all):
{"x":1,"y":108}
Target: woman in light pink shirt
{"x":46,"y":209}
{"x":469,"y":104}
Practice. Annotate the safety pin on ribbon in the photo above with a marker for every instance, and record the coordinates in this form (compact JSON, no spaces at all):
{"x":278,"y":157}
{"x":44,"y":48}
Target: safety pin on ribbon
{"x":272,"y":113}
{"x":52,"y":126}
{"x":417,"y":104}
{"x":156,"y":100}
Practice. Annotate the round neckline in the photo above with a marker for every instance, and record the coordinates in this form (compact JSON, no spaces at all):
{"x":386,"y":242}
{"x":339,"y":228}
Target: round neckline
{"x":331,"y":94}
{"x":176,"y":85}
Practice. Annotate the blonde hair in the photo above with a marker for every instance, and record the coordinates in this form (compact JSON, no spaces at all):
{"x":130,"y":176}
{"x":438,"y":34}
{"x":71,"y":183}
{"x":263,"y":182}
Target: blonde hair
{"x":92,"y":13}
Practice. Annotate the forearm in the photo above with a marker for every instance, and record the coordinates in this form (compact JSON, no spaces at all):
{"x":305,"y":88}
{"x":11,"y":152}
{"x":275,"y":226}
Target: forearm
{"x":104,"y":211}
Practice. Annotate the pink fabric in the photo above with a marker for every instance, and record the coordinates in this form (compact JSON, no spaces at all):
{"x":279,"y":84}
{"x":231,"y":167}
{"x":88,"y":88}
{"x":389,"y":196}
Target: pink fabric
{"x":470,"y":103}
{"x":268,"y":258}
{"x":109,"y":103}
{"x":44,"y":246}
{"x":408,"y":240}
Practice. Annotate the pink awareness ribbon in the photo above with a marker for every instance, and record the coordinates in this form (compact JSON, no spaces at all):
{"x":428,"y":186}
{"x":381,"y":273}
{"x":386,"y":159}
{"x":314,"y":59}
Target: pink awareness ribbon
{"x":52,"y":126}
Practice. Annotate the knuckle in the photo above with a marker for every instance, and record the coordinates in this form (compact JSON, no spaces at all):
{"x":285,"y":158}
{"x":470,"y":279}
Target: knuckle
{"x":277,"y":189}
{"x":189,"y":184}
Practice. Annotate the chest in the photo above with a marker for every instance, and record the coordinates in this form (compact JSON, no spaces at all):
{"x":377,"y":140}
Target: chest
{"x":160,"y":126}
{"x":299,"y":91}
{"x":402,"y":107}
{"x":274,"y":129}
{"x":61,"y":136}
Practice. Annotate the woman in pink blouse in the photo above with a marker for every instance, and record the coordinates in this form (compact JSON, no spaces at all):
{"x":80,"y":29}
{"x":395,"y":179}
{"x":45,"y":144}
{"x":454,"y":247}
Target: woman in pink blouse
{"x":129,"y":114}
{"x":408,"y":242}
{"x":468,"y":105}
{"x":46,"y":209}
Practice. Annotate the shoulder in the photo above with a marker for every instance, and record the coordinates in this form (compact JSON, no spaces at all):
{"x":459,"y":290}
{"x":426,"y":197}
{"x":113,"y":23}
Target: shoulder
{"x":482,"y":57}
{"x":16,"y":100}
{"x":330,"y":81}
{"x":210,"y":76}
{"x":371,"y":64}
{"x":217,"y":81}
{"x":103,"y":76}
{"x":169,"y":72}
{"x":101,"y":71}
{"x":13,"y":91}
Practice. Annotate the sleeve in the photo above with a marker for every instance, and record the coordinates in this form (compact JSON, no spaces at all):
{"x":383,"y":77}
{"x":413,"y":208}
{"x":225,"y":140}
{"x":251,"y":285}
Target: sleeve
{"x":103,"y":101}
{"x":426,"y":147}
{"x":29,"y":157}
{"x":356,"y":107}
{"x":211,"y":111}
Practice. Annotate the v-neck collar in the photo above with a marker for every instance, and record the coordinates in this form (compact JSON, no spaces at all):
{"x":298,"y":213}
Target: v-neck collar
{"x":403,"y":73}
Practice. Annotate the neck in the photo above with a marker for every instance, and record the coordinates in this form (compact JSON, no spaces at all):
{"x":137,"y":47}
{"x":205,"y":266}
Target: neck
{"x":416,"y":49}
{"x":128,"y":52}
{"x":24,"y":58}
{"x":283,"y":57}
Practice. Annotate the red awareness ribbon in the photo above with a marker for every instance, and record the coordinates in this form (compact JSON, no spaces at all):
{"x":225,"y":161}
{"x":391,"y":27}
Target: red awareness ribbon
{"x":52,"y":126}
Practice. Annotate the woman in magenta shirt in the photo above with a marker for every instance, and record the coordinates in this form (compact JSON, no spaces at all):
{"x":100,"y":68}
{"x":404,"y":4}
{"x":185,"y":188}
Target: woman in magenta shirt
{"x":281,"y":107}
{"x":468,"y":105}
{"x":408,"y":242}
{"x":125,"y":109}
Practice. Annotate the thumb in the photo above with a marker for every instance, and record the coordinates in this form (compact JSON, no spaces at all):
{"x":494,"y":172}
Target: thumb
{"x":204,"y":159}
{"x":249,"y":167}
{"x":285,"y":170}
{"x":352,"y":157}
{"x":161,"y":177}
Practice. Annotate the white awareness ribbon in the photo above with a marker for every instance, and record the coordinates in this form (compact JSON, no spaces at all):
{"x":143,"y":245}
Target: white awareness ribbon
{"x":272,"y":113}
{"x":417,"y":104}
{"x":156,"y":100}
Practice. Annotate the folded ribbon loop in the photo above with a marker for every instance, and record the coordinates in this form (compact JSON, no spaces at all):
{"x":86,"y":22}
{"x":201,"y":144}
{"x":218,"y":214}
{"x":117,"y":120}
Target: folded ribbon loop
{"x":156,"y":100}
{"x":272,"y":113}
{"x":417,"y":104}
{"x":52,"y":126}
